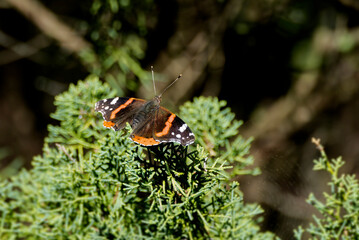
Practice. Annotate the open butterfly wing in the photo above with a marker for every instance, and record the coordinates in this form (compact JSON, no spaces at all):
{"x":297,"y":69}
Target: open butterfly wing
{"x":168,"y":127}
{"x":143,"y":134}
{"x":117,"y":111}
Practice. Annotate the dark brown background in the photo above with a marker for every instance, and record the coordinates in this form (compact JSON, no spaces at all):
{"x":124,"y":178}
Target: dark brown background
{"x":289,"y":69}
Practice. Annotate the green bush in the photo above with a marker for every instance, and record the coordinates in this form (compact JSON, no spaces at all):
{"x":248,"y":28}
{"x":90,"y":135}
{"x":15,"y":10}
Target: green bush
{"x":340,"y":212}
{"x":95,"y":183}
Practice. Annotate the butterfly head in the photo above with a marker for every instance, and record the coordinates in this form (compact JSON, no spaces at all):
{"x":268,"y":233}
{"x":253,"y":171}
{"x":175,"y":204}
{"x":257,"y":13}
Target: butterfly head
{"x":157,"y":99}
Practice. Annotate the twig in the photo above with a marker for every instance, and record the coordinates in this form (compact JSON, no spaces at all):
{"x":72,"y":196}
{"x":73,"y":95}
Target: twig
{"x":50,"y":25}
{"x":62,"y":148}
{"x":17,"y":50}
{"x":316,"y":142}
{"x":200,"y":47}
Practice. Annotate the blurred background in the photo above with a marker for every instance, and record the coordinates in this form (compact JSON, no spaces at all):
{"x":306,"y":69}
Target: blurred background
{"x":288,"y":69}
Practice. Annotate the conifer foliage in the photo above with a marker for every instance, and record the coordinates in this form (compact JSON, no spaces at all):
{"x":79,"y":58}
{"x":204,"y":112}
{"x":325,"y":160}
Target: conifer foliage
{"x":95,"y":183}
{"x":339,"y":211}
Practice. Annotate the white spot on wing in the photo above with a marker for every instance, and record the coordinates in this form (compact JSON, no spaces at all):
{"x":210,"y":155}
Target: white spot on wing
{"x":183,"y":128}
{"x":114,"y":101}
{"x":178,"y":136}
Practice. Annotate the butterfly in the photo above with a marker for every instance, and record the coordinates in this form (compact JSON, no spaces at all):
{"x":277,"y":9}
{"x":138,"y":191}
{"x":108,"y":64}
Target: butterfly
{"x":151,"y":123}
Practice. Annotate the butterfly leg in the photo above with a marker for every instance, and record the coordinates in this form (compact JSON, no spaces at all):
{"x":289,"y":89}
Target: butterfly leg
{"x":149,"y":154}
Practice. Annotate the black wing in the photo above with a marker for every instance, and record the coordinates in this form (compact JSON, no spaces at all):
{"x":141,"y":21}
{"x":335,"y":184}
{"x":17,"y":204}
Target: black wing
{"x":117,"y":111}
{"x":170,"y":128}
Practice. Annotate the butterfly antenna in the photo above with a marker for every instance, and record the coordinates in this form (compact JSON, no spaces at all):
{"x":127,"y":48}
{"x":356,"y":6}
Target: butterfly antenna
{"x":153,"y":80}
{"x":179,"y":76}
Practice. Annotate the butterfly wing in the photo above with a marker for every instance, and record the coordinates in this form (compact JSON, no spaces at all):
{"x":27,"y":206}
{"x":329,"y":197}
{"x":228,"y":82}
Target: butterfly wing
{"x":117,"y":111}
{"x":168,"y":127}
{"x":143,"y":134}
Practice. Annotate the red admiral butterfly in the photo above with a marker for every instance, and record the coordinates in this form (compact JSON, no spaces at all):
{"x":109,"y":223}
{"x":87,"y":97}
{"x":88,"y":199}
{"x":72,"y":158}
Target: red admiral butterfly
{"x":151,"y":123}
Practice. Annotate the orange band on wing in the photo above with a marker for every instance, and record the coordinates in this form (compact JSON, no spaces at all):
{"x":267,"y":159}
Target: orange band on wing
{"x":167,"y":127}
{"x":144,"y":141}
{"x":108,"y":124}
{"x":114,"y":112}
